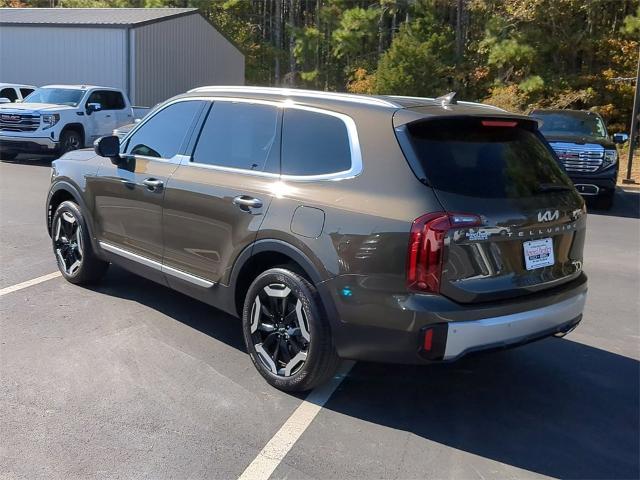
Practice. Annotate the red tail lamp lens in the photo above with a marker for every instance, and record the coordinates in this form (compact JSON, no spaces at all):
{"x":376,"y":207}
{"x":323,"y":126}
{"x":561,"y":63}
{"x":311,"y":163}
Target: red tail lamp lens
{"x":426,"y":248}
{"x":498,"y":123}
{"x":428,"y":340}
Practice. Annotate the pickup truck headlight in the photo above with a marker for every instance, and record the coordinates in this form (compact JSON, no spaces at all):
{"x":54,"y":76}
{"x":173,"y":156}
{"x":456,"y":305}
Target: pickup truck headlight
{"x":49,"y":120}
{"x":610,"y":157}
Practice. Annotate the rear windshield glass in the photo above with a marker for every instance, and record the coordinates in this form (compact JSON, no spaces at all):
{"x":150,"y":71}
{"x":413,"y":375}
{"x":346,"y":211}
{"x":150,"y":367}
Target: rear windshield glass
{"x":467,"y":158}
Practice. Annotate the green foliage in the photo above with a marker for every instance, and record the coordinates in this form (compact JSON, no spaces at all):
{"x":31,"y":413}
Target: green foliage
{"x":356,"y":34}
{"x":632,"y":23}
{"x":419,"y":62}
{"x":532,"y":84}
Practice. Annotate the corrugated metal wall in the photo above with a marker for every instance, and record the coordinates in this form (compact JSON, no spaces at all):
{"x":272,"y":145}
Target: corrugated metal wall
{"x":175,"y":55}
{"x":46,"y":55}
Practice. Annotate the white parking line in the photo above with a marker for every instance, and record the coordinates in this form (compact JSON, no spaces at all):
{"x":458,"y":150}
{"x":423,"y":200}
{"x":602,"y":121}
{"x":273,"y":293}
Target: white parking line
{"x":29,"y":283}
{"x":277,"y":448}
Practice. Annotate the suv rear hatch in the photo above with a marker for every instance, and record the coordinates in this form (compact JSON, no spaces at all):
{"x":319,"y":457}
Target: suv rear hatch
{"x":529,"y":233}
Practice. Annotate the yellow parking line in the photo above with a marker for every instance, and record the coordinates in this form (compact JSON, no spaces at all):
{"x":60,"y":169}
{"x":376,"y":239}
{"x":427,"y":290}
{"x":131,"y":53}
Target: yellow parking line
{"x":29,"y":283}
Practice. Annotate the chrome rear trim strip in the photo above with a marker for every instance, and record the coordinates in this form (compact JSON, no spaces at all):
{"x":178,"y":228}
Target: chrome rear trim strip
{"x":508,"y":329}
{"x":147,"y":262}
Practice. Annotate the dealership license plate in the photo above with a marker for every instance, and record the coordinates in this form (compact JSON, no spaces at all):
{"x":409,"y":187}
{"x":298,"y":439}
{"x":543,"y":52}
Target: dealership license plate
{"x":538,"y":253}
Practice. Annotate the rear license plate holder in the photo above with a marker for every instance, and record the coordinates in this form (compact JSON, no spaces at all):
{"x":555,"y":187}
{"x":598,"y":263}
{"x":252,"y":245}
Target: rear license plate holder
{"x":538,"y":253}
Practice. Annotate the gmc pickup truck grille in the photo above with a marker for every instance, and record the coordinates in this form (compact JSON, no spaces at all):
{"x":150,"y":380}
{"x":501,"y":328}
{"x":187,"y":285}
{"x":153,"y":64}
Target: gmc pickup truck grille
{"x":579,"y":158}
{"x":19,"y":122}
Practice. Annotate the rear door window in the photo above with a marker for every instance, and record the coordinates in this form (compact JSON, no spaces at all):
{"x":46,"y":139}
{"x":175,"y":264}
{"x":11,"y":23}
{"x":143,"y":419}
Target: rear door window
{"x":240,"y":135}
{"x":466,"y":157}
{"x":314,"y":143}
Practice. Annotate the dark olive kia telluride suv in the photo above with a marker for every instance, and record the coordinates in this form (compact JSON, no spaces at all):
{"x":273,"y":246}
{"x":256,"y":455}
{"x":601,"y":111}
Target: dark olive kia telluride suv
{"x":392,"y":229}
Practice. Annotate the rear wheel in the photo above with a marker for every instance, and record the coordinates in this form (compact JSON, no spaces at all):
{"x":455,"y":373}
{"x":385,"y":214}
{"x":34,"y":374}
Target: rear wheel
{"x":286,"y":331}
{"x":72,"y":246}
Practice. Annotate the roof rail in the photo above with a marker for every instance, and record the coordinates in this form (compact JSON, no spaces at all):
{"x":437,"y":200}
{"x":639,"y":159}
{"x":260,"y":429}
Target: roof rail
{"x":294,"y":92}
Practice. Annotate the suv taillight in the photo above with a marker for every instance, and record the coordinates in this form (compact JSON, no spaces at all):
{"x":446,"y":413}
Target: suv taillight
{"x":426,"y":246}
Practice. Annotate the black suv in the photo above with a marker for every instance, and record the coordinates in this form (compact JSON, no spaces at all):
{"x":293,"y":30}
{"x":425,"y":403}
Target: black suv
{"x":585,"y":149}
{"x":335,"y":226}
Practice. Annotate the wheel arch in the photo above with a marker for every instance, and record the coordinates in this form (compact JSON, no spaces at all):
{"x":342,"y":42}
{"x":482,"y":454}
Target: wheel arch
{"x":77,"y":127}
{"x":265,"y":254}
{"x":62,"y":191}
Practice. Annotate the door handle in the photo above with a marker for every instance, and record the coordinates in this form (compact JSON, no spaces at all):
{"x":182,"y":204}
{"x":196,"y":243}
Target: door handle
{"x":153,"y":184}
{"x":245,"y":202}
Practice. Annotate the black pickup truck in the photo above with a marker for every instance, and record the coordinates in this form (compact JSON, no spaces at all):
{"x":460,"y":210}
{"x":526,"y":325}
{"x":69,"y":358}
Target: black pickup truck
{"x":585,"y":149}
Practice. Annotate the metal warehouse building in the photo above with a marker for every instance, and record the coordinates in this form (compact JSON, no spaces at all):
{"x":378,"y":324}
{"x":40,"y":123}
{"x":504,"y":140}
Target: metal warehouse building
{"x":151,"y":53}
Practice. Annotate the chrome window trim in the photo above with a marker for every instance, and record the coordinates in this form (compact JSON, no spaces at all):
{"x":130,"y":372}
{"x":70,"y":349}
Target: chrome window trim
{"x":154,"y":111}
{"x":147,"y":262}
{"x":352,"y":135}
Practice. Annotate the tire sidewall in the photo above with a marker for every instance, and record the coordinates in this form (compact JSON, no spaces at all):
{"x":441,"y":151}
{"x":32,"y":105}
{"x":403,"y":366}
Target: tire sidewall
{"x":313,"y":311}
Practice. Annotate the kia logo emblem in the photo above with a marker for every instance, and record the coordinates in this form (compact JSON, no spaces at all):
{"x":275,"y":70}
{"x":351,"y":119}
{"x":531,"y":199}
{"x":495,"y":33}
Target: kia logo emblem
{"x":548,"y":216}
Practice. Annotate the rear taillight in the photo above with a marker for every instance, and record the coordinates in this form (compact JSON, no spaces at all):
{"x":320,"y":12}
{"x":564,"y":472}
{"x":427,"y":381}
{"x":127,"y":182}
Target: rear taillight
{"x":499,"y":123}
{"x":426,"y":247}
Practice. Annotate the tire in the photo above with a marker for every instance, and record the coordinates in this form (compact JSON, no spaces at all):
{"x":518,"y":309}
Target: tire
{"x":8,"y":155}
{"x":70,"y":140}
{"x":605,"y":202}
{"x":72,"y":247}
{"x":305,"y":355}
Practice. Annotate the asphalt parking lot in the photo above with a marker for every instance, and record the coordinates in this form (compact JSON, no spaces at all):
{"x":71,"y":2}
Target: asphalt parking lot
{"x":132,"y":380}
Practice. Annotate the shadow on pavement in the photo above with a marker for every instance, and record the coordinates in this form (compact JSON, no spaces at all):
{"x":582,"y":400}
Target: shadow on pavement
{"x":32,"y":160}
{"x":554,"y":407}
{"x":626,"y":204}
{"x":200,"y":316}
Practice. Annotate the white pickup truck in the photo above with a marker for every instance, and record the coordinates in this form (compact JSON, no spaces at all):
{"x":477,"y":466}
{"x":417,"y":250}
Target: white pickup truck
{"x":58,"y":118}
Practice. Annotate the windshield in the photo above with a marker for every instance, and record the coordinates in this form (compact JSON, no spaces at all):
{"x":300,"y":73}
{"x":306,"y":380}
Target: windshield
{"x":59,"y":96}
{"x":467,"y":158}
{"x":582,"y":124}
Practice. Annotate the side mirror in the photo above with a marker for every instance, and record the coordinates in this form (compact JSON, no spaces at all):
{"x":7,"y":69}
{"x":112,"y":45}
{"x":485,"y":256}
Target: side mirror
{"x":108,"y":147}
{"x":4,"y":100}
{"x":93,"y":107}
{"x":620,"y":137}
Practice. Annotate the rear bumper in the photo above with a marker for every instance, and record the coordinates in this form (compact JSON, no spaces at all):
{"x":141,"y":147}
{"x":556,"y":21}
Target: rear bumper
{"x":375,"y":326}
{"x":515,"y":329}
{"x":28,"y":144}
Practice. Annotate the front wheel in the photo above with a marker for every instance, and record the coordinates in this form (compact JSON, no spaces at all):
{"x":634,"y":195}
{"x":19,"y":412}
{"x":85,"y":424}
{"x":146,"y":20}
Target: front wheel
{"x":70,"y":140}
{"x":286,"y":331}
{"x":72,"y":246}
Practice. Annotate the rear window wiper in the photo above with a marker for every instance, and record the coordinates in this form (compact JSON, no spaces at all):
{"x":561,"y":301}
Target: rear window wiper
{"x":553,"y":187}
